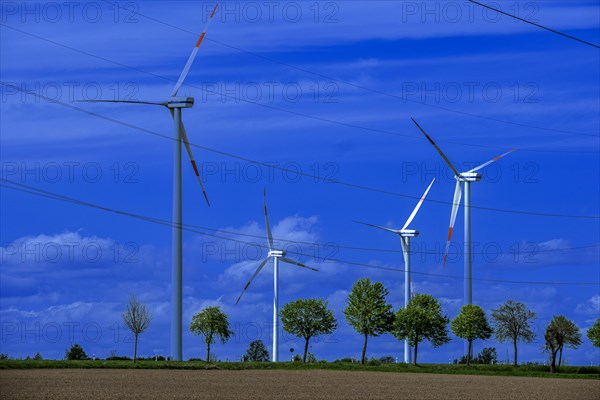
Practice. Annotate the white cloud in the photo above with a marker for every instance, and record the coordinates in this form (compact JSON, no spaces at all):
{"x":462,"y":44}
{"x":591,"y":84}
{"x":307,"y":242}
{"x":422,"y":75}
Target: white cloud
{"x":590,"y":307}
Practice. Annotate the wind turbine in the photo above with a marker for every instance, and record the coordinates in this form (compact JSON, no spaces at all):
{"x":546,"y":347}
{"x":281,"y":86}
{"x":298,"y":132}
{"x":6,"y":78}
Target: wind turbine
{"x":175,"y":104}
{"x":462,"y":178}
{"x":405,"y":235}
{"x":276,"y":255}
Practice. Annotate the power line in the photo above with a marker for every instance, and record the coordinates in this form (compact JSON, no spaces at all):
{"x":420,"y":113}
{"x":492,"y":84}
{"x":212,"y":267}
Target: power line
{"x":300,"y":173}
{"x":535,"y":24}
{"x":321,"y":75}
{"x":47,"y":194}
{"x":295,"y":113}
{"x":191,"y":227}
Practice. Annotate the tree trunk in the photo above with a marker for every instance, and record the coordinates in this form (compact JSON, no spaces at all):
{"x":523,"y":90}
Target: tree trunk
{"x":305,"y":350}
{"x":207,"y":352}
{"x":553,"y":361}
{"x":135,"y":349}
{"x":364,"y":350}
{"x":560,"y":356}
{"x":515,"y":348}
{"x":415,"y":355}
{"x":469,"y":352}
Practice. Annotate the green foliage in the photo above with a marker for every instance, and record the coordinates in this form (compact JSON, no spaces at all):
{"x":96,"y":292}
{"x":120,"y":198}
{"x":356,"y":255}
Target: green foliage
{"x":76,"y":353}
{"x":374,"y":361}
{"x":421,"y":320}
{"x":346,"y":360}
{"x":4,"y":356}
{"x":594,"y":333}
{"x":570,"y":372}
{"x":212,"y":323}
{"x":311,"y":358}
{"x":471,"y":324}
{"x":560,"y":332}
{"x":38,"y":356}
{"x":367,"y":311}
{"x":257,"y":352}
{"x":296,"y":358}
{"x":387,"y":360}
{"x":120,"y":358}
{"x":308,"y":318}
{"x":487,"y":356}
{"x":512,"y":321}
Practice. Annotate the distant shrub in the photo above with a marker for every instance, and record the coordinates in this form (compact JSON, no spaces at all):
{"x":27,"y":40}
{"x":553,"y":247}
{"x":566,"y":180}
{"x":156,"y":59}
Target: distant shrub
{"x":310,"y":358}
{"x":4,"y":356}
{"x":486,"y":356}
{"x":345,"y":360}
{"x":373,"y":361}
{"x":387,"y":360}
{"x":257,"y":352}
{"x":38,"y":356}
{"x":297,"y":358}
{"x":119,"y":358}
{"x":76,"y":353}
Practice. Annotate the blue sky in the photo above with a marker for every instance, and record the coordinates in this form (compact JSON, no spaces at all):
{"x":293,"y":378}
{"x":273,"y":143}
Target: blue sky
{"x":326,"y":89}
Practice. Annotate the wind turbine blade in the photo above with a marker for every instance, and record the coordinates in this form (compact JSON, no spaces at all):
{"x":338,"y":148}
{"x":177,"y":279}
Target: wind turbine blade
{"x":269,"y":235}
{"x":456,"y":173}
{"x":491,"y":161}
{"x":188,"y":148}
{"x":262,"y":264}
{"x":287,"y":260}
{"x":455,"y":204}
{"x":396,"y":231}
{"x":154,"y":103}
{"x":190,"y":60}
{"x":412,"y":216}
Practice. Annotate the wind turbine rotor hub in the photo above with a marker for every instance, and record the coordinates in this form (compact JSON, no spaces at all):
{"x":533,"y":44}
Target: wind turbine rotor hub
{"x":469,"y":177}
{"x":276,"y":253}
{"x":409,"y":233}
{"x":180,"y":102}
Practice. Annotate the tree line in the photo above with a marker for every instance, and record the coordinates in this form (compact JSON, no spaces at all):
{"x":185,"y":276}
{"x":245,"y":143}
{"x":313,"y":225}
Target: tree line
{"x":369,"y":314}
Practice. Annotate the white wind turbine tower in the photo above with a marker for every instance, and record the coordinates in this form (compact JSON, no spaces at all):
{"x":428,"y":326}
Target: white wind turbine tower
{"x":462,"y":178}
{"x":405,"y":235}
{"x":277,"y":255}
{"x":175,"y":104}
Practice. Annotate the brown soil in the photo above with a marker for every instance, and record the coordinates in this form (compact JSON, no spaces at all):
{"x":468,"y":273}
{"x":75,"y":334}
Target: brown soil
{"x":261,"y":384}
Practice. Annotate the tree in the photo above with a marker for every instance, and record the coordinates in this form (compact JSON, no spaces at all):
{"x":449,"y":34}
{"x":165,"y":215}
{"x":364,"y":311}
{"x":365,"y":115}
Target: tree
{"x":38,"y":356}
{"x":421,"y":320}
{"x":367,"y":312}
{"x":594,"y":333}
{"x":471,"y":324}
{"x":212,"y":323}
{"x":487,"y":356}
{"x":256,"y":352}
{"x":512,"y":321}
{"x":137,"y":319}
{"x":560,"y":332}
{"x":307,"y":318}
{"x":76,"y":353}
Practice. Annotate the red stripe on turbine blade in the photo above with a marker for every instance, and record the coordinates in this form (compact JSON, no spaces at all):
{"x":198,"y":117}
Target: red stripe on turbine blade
{"x":195,"y":168}
{"x":450,"y":233}
{"x":200,"y":39}
{"x":214,"y":10}
{"x":445,"y":257}
{"x":206,"y":198}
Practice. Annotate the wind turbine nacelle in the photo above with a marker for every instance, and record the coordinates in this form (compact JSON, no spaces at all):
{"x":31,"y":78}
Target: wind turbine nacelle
{"x":180,"y":102}
{"x":409,"y":233}
{"x":469,"y":177}
{"x":276,"y":253}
